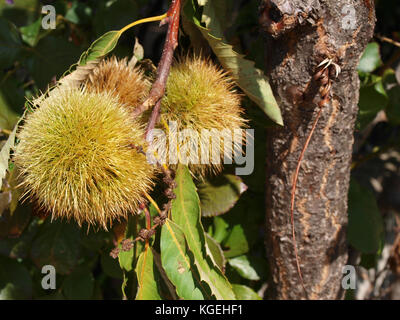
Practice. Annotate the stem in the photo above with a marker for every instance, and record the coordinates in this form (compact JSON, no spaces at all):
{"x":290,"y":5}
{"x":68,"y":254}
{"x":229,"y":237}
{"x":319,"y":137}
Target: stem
{"x":158,"y":89}
{"x":388,"y":40}
{"x":148,"y":218}
{"x":153,"y":121}
{"x":135,"y":23}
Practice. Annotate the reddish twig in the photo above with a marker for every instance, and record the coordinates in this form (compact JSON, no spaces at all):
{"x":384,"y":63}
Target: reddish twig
{"x":148,"y":218}
{"x":296,"y":175}
{"x":158,"y":89}
{"x":154,"y":118}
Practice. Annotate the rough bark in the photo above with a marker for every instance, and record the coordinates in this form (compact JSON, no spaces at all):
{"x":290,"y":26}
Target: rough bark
{"x":300,"y":34}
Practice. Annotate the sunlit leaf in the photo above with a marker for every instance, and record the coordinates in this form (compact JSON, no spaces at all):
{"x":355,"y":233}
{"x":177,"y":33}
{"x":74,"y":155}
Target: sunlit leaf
{"x":177,"y":264}
{"x":245,"y":293}
{"x":250,"y":79}
{"x":216,"y":252}
{"x":99,"y":48}
{"x":146,"y":275}
{"x":370,"y":59}
{"x":242,"y":265}
{"x":186,"y":214}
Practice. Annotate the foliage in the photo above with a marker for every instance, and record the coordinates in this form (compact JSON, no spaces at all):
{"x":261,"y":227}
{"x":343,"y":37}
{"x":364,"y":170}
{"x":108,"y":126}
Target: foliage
{"x":212,"y":243}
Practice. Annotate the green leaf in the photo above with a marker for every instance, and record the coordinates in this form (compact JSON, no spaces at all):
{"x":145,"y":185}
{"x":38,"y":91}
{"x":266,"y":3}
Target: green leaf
{"x":5,"y":153}
{"x":370,"y":59}
{"x":242,"y":265}
{"x":11,"y":45}
{"x":32,"y":33}
{"x":15,"y":281}
{"x":58,"y":244}
{"x":147,"y":280}
{"x":99,"y":48}
{"x":216,"y":16}
{"x":237,"y":242}
{"x":128,"y":259}
{"x":240,"y":229}
{"x":220,"y":229}
{"x":79,"y":285}
{"x":186,"y":214}
{"x":125,"y":259}
{"x":245,"y":293}
{"x":365,"y":229}
{"x":216,"y":252}
{"x":250,"y":79}
{"x":167,"y":282}
{"x":177,"y":263}
{"x":219,"y":195}
{"x":373,"y":98}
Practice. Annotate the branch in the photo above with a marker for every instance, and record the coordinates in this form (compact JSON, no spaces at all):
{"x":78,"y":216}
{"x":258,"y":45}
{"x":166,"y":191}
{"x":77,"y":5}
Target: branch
{"x":158,"y":89}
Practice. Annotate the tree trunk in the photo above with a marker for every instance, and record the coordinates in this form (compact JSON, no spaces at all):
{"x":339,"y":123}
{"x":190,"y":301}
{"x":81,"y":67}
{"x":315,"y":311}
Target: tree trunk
{"x":300,"y":34}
